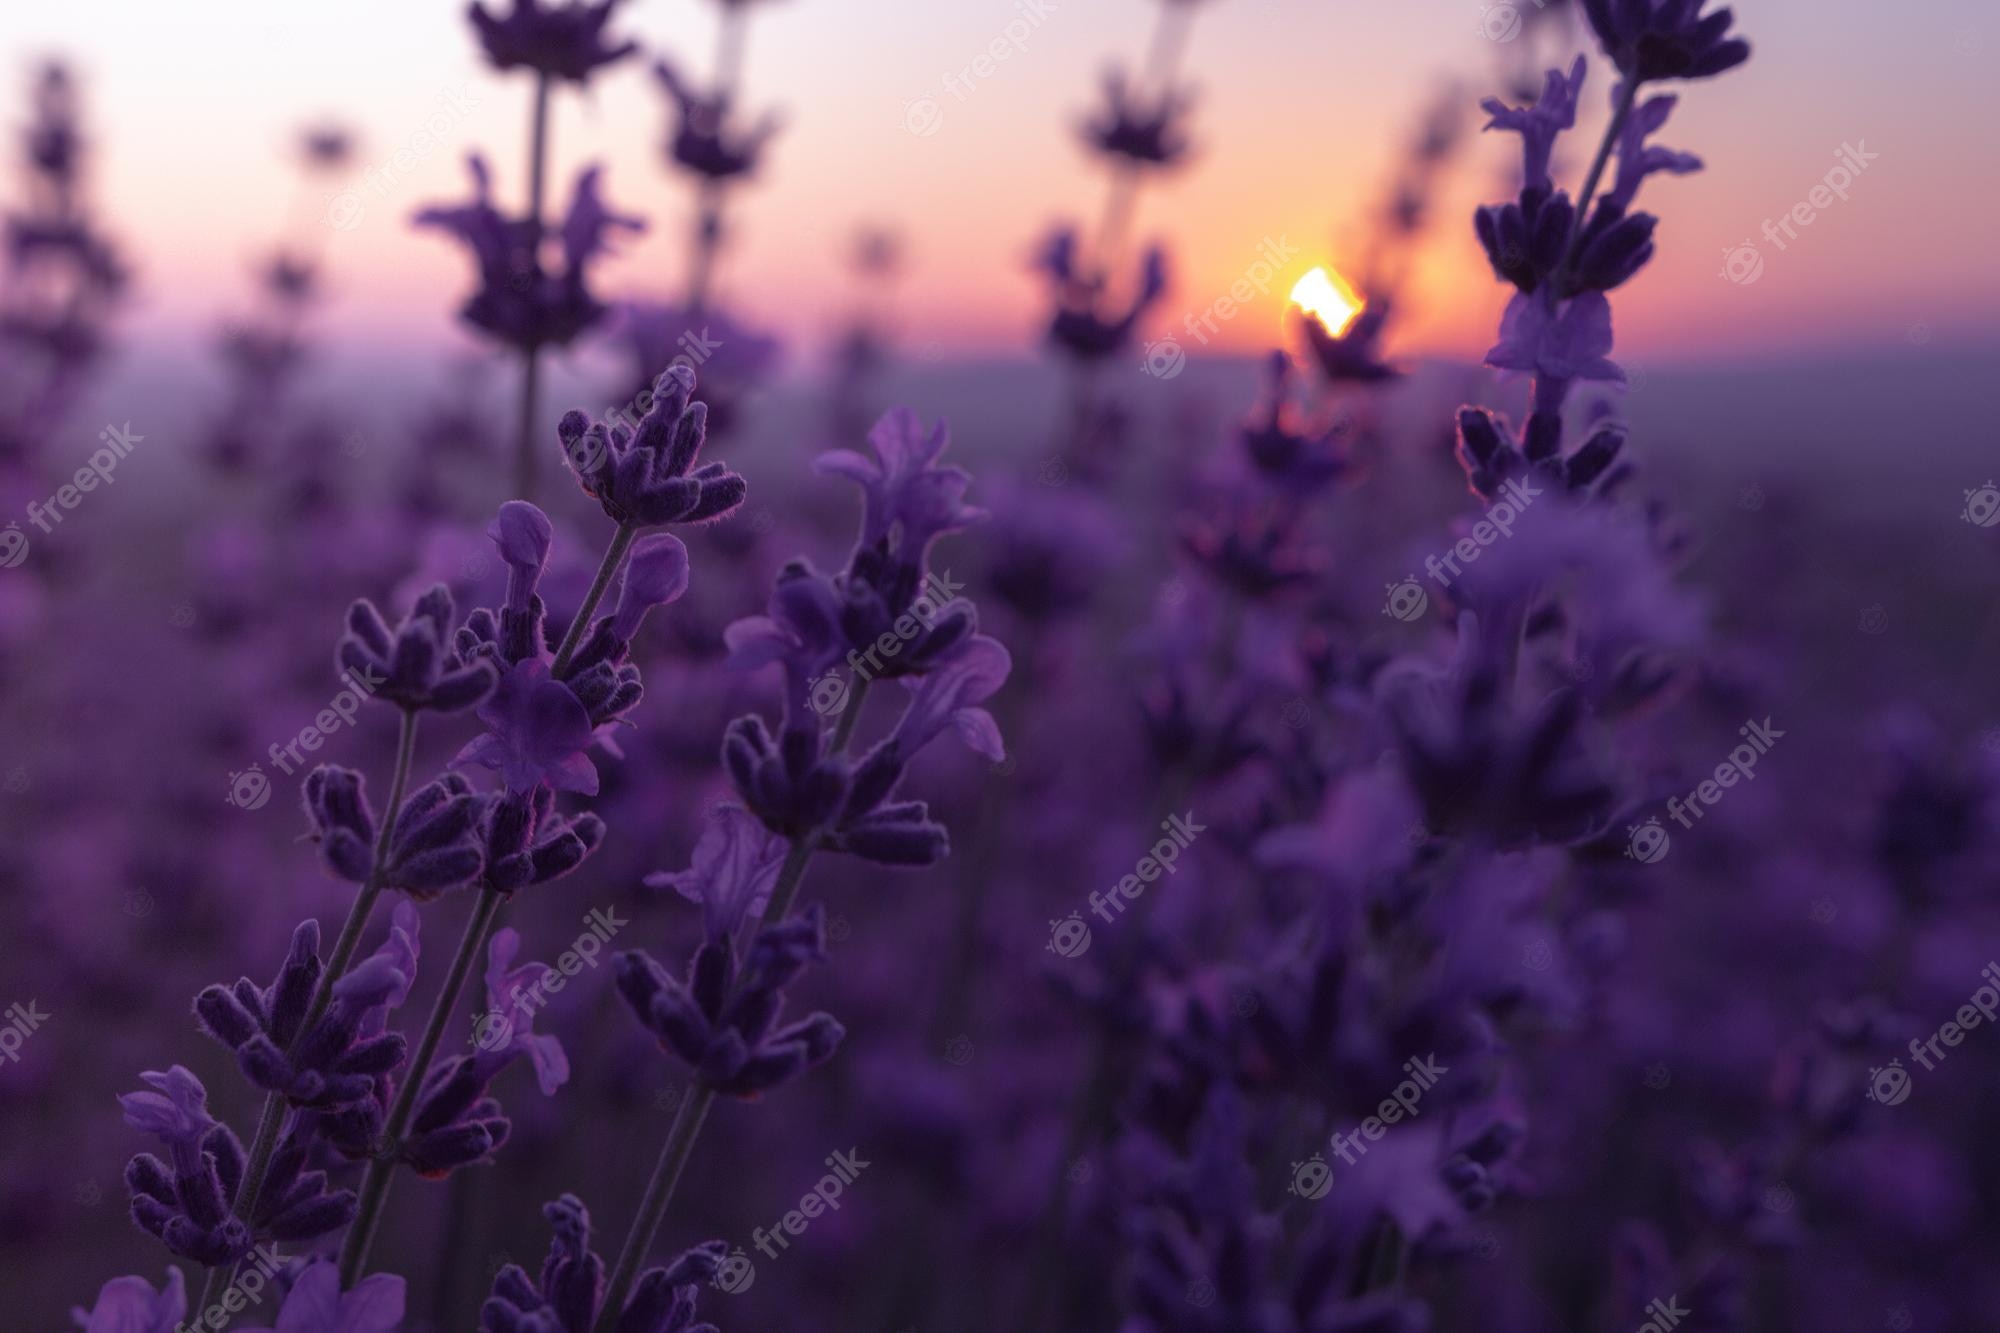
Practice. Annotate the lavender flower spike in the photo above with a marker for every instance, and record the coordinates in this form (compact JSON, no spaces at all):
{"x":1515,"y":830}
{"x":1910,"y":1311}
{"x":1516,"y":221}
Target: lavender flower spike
{"x":646,"y":478}
{"x":414,"y":667}
{"x":1666,"y":39}
{"x":561,"y":41}
{"x":570,"y":1293}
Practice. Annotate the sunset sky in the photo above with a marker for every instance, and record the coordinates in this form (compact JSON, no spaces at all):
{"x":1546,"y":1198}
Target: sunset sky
{"x":1305,"y":106}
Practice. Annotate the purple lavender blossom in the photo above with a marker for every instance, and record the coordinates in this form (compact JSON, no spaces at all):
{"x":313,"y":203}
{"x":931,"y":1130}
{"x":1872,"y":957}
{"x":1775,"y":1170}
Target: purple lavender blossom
{"x":646,"y":477}
{"x":316,"y":1304}
{"x":1666,"y":39}
{"x":130,"y":1305}
{"x":570,"y":1293}
{"x":563,"y":40}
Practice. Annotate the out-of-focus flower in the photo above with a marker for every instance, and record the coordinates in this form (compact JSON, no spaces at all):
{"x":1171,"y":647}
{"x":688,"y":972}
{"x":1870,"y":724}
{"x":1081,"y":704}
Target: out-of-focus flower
{"x":130,"y":1305}
{"x":1080,"y":327}
{"x":1541,"y":124}
{"x":703,"y":141}
{"x":519,"y":301}
{"x":1573,"y":343}
{"x":1128,"y":129}
{"x":316,"y":1304}
{"x":1293,"y":459}
{"x":1666,"y":39}
{"x":570,"y":1293}
{"x":561,"y":40}
{"x":326,"y":147}
{"x":1350,"y":356}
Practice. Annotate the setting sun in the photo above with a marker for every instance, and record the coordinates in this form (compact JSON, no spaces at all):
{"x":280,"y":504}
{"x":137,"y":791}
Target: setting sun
{"x":1326,"y":294}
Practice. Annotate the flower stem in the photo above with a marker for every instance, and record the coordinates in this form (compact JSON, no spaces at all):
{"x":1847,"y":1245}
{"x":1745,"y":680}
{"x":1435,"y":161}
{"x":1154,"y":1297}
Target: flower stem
{"x":614,"y":556}
{"x":382,"y":1166}
{"x":266,"y":1140}
{"x":693,"y":1112}
{"x":531,"y":364}
{"x":1628,"y":93}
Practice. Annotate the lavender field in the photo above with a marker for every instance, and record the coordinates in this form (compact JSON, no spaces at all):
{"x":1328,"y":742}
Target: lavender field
{"x":615,"y":806}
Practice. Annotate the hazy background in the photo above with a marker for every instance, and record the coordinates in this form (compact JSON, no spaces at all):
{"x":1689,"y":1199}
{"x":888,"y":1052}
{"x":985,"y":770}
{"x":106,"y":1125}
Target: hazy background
{"x":1304,"y":109}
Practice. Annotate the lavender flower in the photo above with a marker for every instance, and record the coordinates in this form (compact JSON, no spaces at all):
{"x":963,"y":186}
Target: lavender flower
{"x":431,"y":850}
{"x":1138,"y":133}
{"x":570,"y":1293}
{"x":1080,"y":327}
{"x":414,"y":667}
{"x":642,"y":477}
{"x":1666,"y":39}
{"x":537,"y":732}
{"x":559,"y":41}
{"x":519,"y":302}
{"x":316,"y":1304}
{"x":130,"y":1305}
{"x":721,"y":1021}
{"x":339,"y":1060}
{"x":702,"y":141}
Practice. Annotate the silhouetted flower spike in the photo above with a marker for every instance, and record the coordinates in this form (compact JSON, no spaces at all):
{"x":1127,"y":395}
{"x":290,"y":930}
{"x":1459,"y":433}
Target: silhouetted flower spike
{"x":1666,"y":39}
{"x":1637,"y":159}
{"x":1080,"y":327}
{"x":1541,"y":124}
{"x":564,"y":41}
{"x":1147,"y":135}
{"x":703,"y":142}
{"x":414,"y":667}
{"x":1351,"y":356}
{"x":642,"y":477}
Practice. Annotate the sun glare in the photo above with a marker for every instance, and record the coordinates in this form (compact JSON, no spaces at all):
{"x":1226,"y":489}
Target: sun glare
{"x":1327,"y":296}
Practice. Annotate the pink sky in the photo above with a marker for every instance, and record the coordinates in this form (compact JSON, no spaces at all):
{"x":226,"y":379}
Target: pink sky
{"x":1305,"y":105}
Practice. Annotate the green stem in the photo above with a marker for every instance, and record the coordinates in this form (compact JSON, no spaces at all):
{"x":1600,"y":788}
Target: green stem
{"x":265,"y":1143}
{"x":614,"y":556}
{"x":1628,"y":93}
{"x":382,"y":1167}
{"x":850,"y":717}
{"x":693,"y":1112}
{"x":531,"y":365}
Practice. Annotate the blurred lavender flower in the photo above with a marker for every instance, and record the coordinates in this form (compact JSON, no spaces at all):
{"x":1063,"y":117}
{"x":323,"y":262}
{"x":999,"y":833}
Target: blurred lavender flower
{"x":1666,"y":39}
{"x":316,"y":1304}
{"x":1080,"y":327}
{"x":703,"y":141}
{"x":1136,"y":133}
{"x":520,"y":303}
{"x":563,"y":40}
{"x":130,"y":1305}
